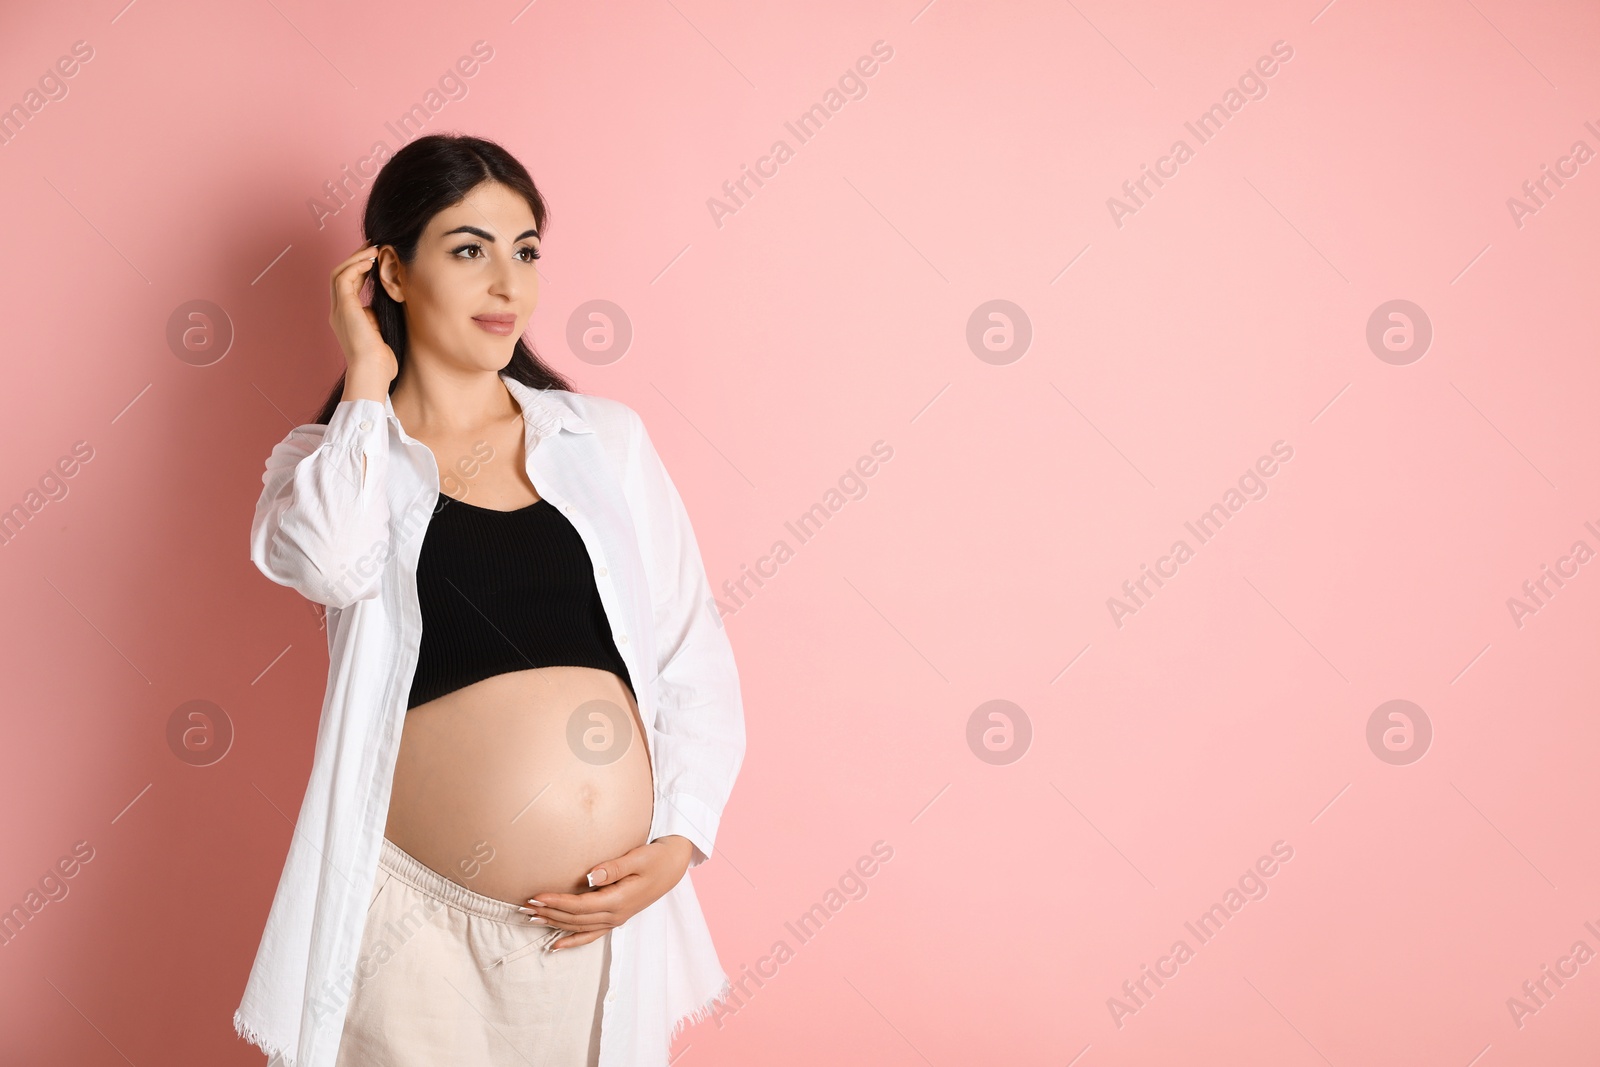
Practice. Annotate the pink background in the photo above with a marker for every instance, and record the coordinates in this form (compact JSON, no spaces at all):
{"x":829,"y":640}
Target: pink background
{"x":769,"y":354}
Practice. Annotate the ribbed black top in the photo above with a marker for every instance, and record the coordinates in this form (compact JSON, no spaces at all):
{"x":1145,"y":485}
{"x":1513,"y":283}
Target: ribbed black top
{"x":505,"y":591}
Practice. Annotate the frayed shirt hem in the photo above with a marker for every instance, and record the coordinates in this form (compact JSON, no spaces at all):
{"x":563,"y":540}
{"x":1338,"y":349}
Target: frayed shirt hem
{"x":276,"y":1056}
{"x":703,"y":1012}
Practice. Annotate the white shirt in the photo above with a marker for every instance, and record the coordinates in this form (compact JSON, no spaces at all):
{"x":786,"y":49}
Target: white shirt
{"x":349,"y":537}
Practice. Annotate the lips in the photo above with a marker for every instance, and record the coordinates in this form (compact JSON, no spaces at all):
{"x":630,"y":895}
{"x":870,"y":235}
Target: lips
{"x":499,"y":324}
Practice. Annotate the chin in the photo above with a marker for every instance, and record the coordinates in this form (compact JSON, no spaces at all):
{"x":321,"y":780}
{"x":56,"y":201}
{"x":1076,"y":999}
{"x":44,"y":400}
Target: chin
{"x":497,"y":356}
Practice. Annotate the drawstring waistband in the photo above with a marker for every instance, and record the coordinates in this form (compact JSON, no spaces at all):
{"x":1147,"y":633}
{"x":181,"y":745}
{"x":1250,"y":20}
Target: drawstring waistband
{"x":406,"y":867}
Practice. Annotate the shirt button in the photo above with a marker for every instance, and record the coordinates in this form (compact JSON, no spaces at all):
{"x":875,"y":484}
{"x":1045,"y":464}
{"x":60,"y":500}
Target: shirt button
{"x":366,"y":424}
{"x":567,"y":508}
{"x":601,"y":572}
{"x":623,"y":639}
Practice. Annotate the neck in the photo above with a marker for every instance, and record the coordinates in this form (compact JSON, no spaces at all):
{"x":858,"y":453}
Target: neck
{"x":441,"y":401}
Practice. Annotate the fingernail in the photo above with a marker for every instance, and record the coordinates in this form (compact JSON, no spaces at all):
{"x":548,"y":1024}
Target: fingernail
{"x":592,"y":875}
{"x":536,"y":919}
{"x":536,"y":903}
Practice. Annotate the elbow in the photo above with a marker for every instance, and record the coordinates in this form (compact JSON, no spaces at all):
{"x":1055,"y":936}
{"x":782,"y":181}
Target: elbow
{"x":323,"y":577}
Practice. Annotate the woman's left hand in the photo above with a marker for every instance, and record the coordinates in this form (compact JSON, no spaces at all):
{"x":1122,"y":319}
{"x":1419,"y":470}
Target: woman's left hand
{"x":625,"y":886}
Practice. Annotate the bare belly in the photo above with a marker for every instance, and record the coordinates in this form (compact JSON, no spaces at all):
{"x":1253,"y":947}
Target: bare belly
{"x":522,"y":782}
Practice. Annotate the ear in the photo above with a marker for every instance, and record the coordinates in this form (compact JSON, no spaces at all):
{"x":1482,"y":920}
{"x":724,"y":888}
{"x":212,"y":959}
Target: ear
{"x":391,"y":274}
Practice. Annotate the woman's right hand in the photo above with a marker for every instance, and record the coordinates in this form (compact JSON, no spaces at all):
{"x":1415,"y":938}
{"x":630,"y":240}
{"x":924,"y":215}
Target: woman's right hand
{"x":370,"y":363}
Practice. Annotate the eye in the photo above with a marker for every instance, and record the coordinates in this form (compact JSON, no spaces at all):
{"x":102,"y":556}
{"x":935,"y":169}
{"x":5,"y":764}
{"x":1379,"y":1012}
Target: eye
{"x":476,"y":247}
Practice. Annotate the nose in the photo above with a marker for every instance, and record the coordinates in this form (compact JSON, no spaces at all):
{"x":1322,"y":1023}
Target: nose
{"x":510,"y":277}
{"x":503,"y":280}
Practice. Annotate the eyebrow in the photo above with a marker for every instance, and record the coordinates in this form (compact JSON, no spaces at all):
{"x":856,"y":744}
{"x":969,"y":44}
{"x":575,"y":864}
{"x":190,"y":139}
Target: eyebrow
{"x":486,"y":235}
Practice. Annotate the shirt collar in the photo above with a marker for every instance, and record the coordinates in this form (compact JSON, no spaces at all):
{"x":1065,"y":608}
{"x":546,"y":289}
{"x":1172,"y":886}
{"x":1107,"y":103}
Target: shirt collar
{"x":550,"y":407}
{"x":546,"y":410}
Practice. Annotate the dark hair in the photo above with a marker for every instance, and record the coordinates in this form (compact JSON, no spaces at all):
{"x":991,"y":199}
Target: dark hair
{"x":424,"y":178}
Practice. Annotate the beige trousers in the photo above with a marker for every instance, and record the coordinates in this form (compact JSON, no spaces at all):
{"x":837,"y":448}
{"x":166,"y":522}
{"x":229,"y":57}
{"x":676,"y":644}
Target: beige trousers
{"x":447,"y":976}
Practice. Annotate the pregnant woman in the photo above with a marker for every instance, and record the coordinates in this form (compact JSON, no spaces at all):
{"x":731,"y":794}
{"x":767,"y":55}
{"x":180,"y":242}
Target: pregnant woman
{"x":532,"y":719}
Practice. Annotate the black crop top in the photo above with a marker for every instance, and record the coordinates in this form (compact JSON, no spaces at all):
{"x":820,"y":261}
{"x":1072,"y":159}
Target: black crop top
{"x":505,"y":591}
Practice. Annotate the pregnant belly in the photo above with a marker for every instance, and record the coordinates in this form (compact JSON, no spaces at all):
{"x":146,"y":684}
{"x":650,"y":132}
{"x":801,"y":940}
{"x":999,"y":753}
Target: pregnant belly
{"x":523,"y":782}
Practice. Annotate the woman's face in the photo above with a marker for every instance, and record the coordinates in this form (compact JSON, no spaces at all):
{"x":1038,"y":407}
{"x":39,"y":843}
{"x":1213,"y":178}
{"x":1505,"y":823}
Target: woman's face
{"x":474,"y":265}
